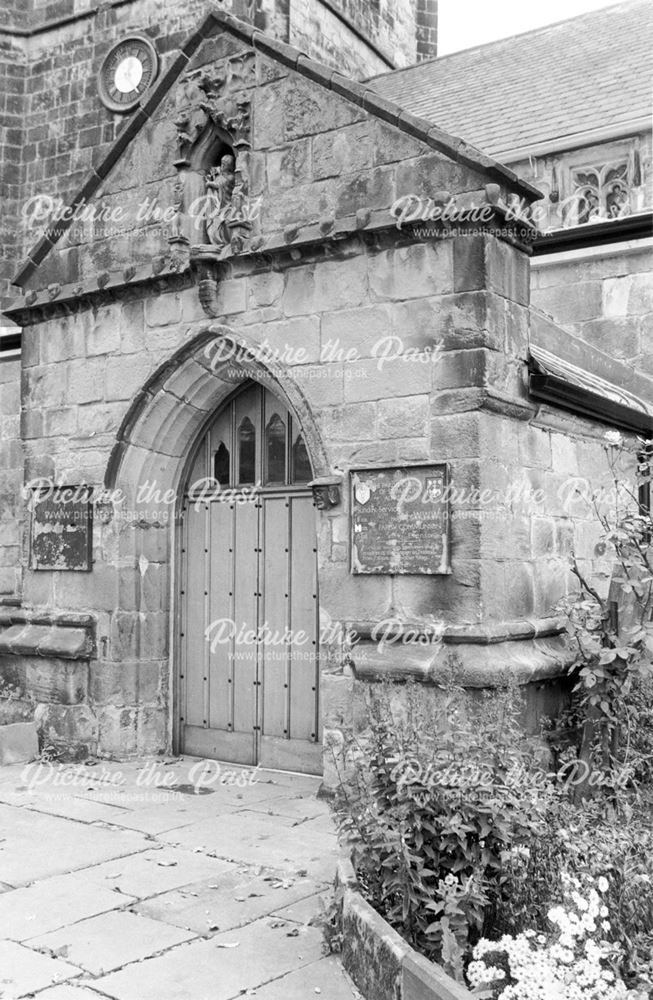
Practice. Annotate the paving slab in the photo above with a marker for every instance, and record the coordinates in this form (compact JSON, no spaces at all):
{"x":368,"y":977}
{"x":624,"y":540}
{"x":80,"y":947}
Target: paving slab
{"x":69,"y":991}
{"x":154,"y":871}
{"x":258,"y":838}
{"x":154,"y":819}
{"x":298,"y":806}
{"x":35,"y":848}
{"x":23,"y":971}
{"x":111,"y":940}
{"x":53,"y":903}
{"x":132,"y":886}
{"x":308,"y":910}
{"x":231,"y":900}
{"x":160,"y":812}
{"x":326,"y":976}
{"x":221,"y":968}
{"x":85,"y":810}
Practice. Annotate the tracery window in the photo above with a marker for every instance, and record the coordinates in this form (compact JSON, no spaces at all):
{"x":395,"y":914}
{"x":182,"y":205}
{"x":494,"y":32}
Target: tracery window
{"x":255,"y":440}
{"x":600,"y":193}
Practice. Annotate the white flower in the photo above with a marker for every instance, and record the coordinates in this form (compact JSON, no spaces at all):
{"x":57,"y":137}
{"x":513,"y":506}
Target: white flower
{"x":569,"y":968}
{"x":613,"y":437}
{"x":602,"y":884}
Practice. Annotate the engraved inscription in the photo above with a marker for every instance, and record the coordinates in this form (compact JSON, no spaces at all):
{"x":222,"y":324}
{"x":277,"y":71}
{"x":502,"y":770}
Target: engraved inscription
{"x":400,"y":521}
{"x":62,"y":529}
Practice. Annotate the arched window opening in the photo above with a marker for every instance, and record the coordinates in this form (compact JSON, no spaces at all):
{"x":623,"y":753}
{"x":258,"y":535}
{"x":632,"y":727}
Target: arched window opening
{"x":246,"y":452}
{"x":253,"y":440}
{"x":221,"y":465}
{"x":301,"y":465}
{"x":275,"y":451}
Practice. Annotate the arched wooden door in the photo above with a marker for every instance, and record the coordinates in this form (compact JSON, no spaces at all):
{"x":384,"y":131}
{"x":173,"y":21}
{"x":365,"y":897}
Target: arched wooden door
{"x":249,"y":684}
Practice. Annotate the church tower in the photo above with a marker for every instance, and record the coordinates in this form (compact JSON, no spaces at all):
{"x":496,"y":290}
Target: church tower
{"x":359,"y":37}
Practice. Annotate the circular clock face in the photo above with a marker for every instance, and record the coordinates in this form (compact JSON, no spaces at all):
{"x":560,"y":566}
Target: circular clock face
{"x":127,"y":72}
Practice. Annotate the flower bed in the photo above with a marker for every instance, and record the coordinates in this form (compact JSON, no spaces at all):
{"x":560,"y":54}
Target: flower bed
{"x":379,"y":960}
{"x":476,"y":856}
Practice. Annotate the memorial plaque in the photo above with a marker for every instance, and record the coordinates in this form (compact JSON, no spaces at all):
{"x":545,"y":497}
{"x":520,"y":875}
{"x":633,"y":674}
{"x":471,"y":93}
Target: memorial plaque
{"x":62,"y":529}
{"x":400,"y":520}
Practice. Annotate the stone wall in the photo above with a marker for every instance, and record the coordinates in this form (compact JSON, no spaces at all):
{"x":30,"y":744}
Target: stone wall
{"x":11,"y":477}
{"x":604,"y":295}
{"x":13,"y":99}
{"x":402,"y":31}
{"x":467,"y":407}
{"x":117,"y":384}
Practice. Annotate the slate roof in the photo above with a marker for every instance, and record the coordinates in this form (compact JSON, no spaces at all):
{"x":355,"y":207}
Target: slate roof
{"x":586,"y":73}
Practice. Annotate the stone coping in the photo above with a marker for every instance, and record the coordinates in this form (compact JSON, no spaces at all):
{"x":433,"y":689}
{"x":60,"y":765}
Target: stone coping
{"x":382,"y":964}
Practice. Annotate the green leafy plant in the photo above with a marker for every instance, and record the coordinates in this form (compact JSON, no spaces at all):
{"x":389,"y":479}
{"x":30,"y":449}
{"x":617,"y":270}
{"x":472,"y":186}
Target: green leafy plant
{"x":430,"y":802}
{"x":613,"y":635}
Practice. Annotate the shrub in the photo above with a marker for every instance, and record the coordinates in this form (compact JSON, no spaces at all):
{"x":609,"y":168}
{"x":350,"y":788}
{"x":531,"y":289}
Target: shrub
{"x":613,"y":639}
{"x":434,"y":801}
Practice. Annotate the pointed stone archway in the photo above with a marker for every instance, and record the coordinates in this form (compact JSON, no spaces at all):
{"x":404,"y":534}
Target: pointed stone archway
{"x":148,"y":467}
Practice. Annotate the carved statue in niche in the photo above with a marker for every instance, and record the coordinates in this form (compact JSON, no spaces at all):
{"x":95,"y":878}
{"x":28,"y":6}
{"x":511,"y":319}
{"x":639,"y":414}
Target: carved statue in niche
{"x":227,"y":210}
{"x":214,"y":111}
{"x":220,"y":183}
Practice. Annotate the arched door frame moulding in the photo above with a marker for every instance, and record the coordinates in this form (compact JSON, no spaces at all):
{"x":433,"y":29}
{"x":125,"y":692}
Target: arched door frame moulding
{"x":187,"y":378}
{"x":155,"y":443}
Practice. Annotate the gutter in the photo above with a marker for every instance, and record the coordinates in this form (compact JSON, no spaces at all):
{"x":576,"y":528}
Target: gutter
{"x":631,"y":227}
{"x":558,"y":392}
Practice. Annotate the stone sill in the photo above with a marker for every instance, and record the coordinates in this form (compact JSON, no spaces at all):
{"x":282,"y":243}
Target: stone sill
{"x":476,"y":634}
{"x":472,"y":664}
{"x":381,"y":963}
{"x":64,"y":619}
{"x":66,"y":641}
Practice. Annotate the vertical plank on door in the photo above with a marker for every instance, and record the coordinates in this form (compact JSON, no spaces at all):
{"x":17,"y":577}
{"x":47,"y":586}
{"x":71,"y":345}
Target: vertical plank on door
{"x":221,"y":614}
{"x":245,"y":555}
{"x":275,"y":615}
{"x":303,"y":621}
{"x":194,"y":641}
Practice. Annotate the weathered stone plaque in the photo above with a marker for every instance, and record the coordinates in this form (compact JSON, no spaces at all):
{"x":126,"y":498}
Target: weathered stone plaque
{"x":400,"y":520}
{"x":62,"y":529}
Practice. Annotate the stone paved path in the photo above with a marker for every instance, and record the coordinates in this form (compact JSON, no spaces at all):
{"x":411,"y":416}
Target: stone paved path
{"x":112,"y":887}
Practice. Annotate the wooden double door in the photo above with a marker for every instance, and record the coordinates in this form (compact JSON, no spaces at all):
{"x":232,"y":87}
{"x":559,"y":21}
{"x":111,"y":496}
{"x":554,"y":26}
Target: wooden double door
{"x":249,"y":672}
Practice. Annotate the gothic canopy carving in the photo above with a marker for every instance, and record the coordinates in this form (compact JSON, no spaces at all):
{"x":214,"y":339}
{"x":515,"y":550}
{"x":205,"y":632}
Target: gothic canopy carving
{"x":214,"y":140}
